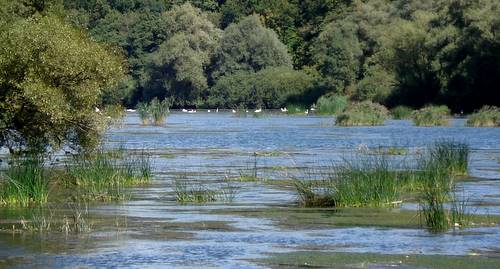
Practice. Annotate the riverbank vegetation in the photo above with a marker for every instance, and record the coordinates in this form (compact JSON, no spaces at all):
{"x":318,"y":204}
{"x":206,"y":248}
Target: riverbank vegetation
{"x":431,"y":116}
{"x":361,"y":114}
{"x":487,"y":116}
{"x":402,"y":53}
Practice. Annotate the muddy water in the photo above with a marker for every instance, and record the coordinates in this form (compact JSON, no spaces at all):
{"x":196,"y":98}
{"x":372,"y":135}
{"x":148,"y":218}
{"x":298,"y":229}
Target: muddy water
{"x":152,"y":230}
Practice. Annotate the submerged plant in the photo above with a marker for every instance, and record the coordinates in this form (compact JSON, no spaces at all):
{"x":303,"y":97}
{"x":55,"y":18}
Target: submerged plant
{"x":431,"y":116}
{"x":24,"y":183}
{"x":487,"y":116}
{"x":362,"y":114}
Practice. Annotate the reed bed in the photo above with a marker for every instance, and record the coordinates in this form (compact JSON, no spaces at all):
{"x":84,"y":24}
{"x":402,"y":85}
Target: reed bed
{"x":401,"y":113}
{"x":332,"y":104}
{"x":363,"y":114}
{"x":191,"y":192}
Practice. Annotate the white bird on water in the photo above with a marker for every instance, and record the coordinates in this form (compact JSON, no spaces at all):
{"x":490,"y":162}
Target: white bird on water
{"x":307,"y":112}
{"x":217,"y":110}
{"x":234,"y":111}
{"x":184,"y":110}
{"x":130,"y":110}
{"x":209,"y":111}
{"x":192,"y":111}
{"x":258,"y":110}
{"x":284,"y":109}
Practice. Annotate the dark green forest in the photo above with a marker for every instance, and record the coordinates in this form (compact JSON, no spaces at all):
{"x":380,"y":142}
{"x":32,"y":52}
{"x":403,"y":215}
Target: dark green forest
{"x":270,"y":53}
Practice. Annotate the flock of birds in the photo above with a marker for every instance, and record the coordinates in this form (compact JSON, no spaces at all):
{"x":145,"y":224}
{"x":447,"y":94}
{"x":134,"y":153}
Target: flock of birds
{"x":284,"y":110}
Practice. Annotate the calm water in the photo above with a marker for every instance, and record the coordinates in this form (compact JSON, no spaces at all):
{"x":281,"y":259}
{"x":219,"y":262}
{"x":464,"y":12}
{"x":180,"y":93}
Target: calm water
{"x":206,"y":147}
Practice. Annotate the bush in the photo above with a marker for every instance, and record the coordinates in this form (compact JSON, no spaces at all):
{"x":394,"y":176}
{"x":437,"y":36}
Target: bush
{"x":331,"y":104}
{"x":364,"y":113}
{"x":431,"y":116}
{"x":487,"y":116}
{"x":401,"y":113}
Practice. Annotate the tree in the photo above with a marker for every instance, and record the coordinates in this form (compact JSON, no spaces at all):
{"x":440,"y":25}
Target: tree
{"x":337,"y":54}
{"x":182,"y":59}
{"x":51,"y":79}
{"x":248,"y":46}
{"x":268,"y":88}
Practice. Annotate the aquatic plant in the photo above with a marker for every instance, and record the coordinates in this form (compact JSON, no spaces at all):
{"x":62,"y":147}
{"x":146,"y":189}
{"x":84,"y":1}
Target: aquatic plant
{"x":144,"y":113}
{"x":363,"y":113}
{"x":450,"y":155}
{"x":295,"y":109}
{"x":187,"y":192}
{"x":487,"y":116}
{"x":332,"y":104}
{"x":401,"y":113}
{"x":354,"y":183}
{"x":24,"y":182}
{"x":98,"y":176}
{"x":431,"y":116}
{"x":159,"y":111}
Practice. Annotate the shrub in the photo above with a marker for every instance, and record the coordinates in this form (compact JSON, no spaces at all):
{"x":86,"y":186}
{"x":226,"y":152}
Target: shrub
{"x":363,"y":113}
{"x":487,"y":116}
{"x":331,"y":104}
{"x":401,"y":113}
{"x":431,"y":116}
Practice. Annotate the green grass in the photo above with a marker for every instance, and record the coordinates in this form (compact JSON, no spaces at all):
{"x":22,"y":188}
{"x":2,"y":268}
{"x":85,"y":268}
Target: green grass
{"x":431,"y":116}
{"x":99,"y":177}
{"x":451,"y":155}
{"x":187,"y":192}
{"x":487,"y":116}
{"x":401,"y":113}
{"x":332,"y":104}
{"x":144,"y":113}
{"x":155,"y":112}
{"x":24,"y":183}
{"x":296,"y":109}
{"x":363,"y":114}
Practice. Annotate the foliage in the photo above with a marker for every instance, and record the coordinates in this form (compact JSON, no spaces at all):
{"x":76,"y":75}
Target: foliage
{"x":401,"y":113}
{"x":267,"y":88}
{"x":248,"y":46}
{"x":450,"y":155}
{"x":332,"y":104}
{"x":363,"y":113}
{"x":487,"y":116}
{"x":431,"y":116}
{"x":52,"y":77}
{"x":154,"y":112}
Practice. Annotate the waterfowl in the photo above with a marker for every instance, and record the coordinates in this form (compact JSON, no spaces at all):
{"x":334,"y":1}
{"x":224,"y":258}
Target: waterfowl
{"x":258,"y":110}
{"x":184,"y":110}
{"x":234,"y":111}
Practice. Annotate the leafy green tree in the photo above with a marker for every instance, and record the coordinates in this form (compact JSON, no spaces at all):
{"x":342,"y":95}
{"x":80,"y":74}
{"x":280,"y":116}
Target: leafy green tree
{"x":51,"y":79}
{"x":183,"y":57}
{"x":271,"y":87}
{"x":337,"y":54}
{"x":249,"y":46}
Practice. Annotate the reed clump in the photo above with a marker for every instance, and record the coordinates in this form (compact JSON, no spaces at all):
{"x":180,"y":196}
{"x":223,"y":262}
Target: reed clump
{"x":187,"y":192}
{"x":24,"y":183}
{"x":450,"y":155}
{"x":155,"y":112}
{"x":100,"y":177}
{"x":401,"y":113}
{"x":487,"y":116}
{"x":365,"y":113}
{"x":332,"y":104}
{"x":431,"y":116}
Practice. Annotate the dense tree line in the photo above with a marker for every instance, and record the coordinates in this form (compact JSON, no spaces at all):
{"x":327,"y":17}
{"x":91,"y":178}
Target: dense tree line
{"x":393,"y":52}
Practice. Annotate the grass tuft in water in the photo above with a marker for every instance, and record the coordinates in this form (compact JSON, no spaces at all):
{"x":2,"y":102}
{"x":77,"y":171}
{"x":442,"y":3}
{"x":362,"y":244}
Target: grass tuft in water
{"x":144,"y":113}
{"x":451,"y":155}
{"x":24,"y":183}
{"x":187,"y":192}
{"x":99,"y":177}
{"x":431,"y":116}
{"x":155,"y":112}
{"x":487,"y":116}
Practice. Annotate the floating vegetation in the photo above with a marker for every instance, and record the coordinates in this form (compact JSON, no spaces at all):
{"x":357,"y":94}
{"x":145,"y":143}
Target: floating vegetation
{"x":24,"y":183}
{"x":363,"y":114}
{"x":401,"y":113}
{"x":487,"y":116}
{"x":431,"y":116}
